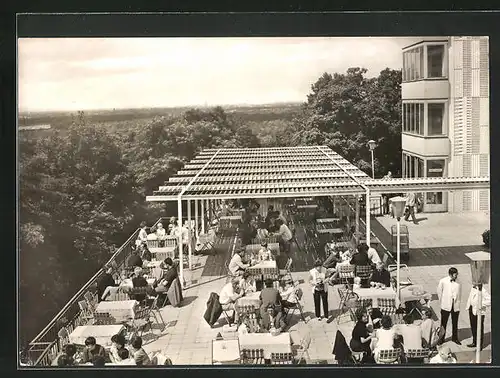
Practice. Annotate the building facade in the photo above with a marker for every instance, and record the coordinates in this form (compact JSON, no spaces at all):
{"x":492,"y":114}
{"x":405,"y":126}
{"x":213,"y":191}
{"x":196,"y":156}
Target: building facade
{"x":445,"y":111}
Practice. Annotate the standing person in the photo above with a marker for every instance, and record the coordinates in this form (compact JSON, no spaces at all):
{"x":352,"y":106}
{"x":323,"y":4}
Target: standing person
{"x":143,"y":235}
{"x":285,"y":237}
{"x":317,"y":279}
{"x":473,"y":313}
{"x":449,"y":292}
{"x":386,"y":196}
{"x":410,"y":203}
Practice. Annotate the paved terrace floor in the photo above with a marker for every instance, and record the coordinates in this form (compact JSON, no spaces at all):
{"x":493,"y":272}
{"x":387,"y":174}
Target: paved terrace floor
{"x":437,"y":242}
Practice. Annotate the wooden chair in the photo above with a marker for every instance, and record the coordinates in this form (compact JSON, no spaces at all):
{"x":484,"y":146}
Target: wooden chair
{"x":389,"y":356}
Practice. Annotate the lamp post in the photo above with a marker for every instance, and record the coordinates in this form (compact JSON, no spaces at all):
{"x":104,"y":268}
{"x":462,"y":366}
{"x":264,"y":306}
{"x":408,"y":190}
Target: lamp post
{"x":372,"y":144}
{"x":398,"y":205}
{"x":480,"y":269}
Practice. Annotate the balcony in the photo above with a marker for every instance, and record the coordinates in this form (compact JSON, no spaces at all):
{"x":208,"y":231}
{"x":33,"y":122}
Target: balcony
{"x":426,"y":89}
{"x":425,"y":146}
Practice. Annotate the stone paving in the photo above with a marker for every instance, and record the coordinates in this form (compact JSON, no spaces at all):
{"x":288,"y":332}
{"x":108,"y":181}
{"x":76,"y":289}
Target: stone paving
{"x":187,"y":339}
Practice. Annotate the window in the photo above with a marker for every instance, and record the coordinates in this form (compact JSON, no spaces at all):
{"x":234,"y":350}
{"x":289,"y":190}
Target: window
{"x":435,"y":61}
{"x":413,"y":118}
{"x":412,"y":166}
{"x":435,"y":168}
{"x":413,"y":64}
{"x":435,"y":119}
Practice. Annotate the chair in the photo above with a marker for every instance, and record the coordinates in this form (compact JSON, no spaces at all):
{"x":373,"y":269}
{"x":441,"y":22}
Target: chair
{"x":290,"y":311}
{"x":404,"y":275}
{"x":86,"y":314}
{"x":281,"y":358}
{"x":63,"y":336}
{"x":417,"y":354}
{"x":346,"y":274}
{"x":389,"y":356}
{"x":364,"y":272}
{"x":286,"y":269}
{"x":348,"y":301}
{"x":303,"y":350}
{"x":356,"y":357}
{"x":104,"y":318}
{"x":387,"y":306}
{"x":155,"y":311}
{"x":206,"y":242}
{"x":91,"y":299}
{"x":140,"y":321}
{"x":365,"y":303}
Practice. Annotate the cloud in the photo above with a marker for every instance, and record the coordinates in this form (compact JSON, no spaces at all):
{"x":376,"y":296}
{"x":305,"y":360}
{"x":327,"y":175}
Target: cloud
{"x":84,"y":73}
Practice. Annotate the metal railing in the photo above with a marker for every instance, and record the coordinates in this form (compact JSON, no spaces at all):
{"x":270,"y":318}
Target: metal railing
{"x":45,"y":346}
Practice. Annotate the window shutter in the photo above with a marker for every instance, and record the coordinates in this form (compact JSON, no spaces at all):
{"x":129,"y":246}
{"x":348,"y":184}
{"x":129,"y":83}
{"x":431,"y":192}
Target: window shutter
{"x":475,"y":128}
{"x":458,"y":132}
{"x":467,"y":200}
{"x":484,"y":165}
{"x":467,"y":68}
{"x":467,"y":166}
{"x":484,"y":67}
{"x":484,"y":200}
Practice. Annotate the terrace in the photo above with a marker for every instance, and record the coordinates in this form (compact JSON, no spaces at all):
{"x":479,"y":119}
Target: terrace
{"x":271,"y":176}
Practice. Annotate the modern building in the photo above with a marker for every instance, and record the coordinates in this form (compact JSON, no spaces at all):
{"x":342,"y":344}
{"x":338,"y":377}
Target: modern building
{"x":445,"y":111}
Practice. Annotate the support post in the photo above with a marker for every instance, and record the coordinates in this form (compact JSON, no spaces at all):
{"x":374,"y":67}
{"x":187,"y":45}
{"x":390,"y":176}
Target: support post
{"x":368,"y":226}
{"x":398,"y":261}
{"x":190,"y":234}
{"x":202,"y":216}
{"x":357,"y":220}
{"x":179,"y":241}
{"x":479,"y":341}
{"x":196,"y":227}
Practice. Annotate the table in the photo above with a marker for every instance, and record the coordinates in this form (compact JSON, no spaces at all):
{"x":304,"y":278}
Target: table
{"x":307,"y":207}
{"x":250,"y":299}
{"x":254,"y":248}
{"x":161,"y":253}
{"x":271,"y":344}
{"x":374,"y":294}
{"x":127,"y":282}
{"x":258,"y":268}
{"x":225,"y":352}
{"x":407,"y":294}
{"x":102,"y":333}
{"x":120,"y":310}
{"x":327,"y":220}
{"x":331,"y":230}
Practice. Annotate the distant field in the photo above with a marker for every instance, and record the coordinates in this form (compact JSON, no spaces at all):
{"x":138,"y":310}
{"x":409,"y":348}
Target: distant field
{"x":60,"y":120}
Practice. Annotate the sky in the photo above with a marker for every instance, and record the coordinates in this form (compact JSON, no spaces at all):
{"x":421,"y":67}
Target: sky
{"x":69,"y":74}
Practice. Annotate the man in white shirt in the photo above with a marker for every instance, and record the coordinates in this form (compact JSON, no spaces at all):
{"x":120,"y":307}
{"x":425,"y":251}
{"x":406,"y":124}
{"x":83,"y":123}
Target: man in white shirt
{"x":228,"y":297}
{"x":373,"y":256}
{"x":285,"y":236}
{"x":410,"y":202}
{"x":473,"y":312}
{"x":411,"y":333}
{"x":449,"y":292}
{"x":236,"y":266}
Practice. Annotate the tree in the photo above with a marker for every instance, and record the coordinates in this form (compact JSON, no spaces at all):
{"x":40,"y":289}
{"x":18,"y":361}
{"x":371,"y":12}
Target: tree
{"x":345,"y":111}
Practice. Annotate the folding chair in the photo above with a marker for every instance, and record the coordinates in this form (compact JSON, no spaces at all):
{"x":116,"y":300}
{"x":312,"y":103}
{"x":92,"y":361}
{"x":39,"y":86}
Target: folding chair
{"x":389,"y":356}
{"x":356,"y":357}
{"x":348,"y":301}
{"x":140,"y":321}
{"x":91,"y":300}
{"x":290,"y":311}
{"x":387,"y":306}
{"x":156,"y":313}
{"x":365,"y":303}
{"x":63,"y":336}
{"x":206,"y":242}
{"x":418,"y":354}
{"x":346,"y":274}
{"x":285,"y":272}
{"x":404,"y":275}
{"x":303,"y":350}
{"x":281,"y":358}
{"x":86,"y":315}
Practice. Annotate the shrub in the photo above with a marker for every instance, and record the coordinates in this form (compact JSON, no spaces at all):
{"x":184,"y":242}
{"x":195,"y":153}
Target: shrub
{"x":486,"y":237}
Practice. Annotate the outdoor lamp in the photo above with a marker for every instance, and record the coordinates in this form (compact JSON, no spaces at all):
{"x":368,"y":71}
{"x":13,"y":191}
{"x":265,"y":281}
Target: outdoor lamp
{"x":372,"y":144}
{"x":480,"y":269}
{"x":398,"y":206}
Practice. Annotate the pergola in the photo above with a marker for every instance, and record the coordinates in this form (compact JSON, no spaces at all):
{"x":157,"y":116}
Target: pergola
{"x":285,"y":172}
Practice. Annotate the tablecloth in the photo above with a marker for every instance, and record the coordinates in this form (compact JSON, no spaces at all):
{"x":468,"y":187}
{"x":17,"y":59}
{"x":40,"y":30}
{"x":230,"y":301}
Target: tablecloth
{"x":374,"y":294}
{"x":102,"y":333}
{"x":225,"y":351}
{"x":409,"y":294}
{"x":250,"y":299}
{"x":120,"y":310}
{"x":271,"y":344}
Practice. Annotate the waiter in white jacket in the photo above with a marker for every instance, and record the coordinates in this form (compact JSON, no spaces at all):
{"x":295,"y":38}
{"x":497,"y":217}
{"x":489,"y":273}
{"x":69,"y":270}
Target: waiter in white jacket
{"x":449,"y":292}
{"x":473,"y":313}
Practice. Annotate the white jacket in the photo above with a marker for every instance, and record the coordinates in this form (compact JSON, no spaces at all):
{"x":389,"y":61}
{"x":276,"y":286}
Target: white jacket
{"x":315,"y":276}
{"x":444,"y":291}
{"x":472,"y":301}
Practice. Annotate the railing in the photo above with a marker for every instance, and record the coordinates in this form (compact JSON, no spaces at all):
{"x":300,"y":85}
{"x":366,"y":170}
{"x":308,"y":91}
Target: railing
{"x":45,"y":346}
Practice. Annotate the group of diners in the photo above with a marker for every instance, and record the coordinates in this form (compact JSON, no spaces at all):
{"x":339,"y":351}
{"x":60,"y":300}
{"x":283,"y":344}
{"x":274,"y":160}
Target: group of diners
{"x":135,"y":272}
{"x":158,"y":232}
{"x":374,"y":332}
{"x":273,"y":303}
{"x":94,"y":354}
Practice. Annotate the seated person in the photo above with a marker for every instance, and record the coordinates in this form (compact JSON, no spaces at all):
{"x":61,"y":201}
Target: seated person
{"x":141,"y":358}
{"x":247,"y":283}
{"x":98,"y":361}
{"x":269,"y":296}
{"x":236,"y":266}
{"x":380,"y":275}
{"x":272,"y":319}
{"x":262,"y":232}
{"x":134,"y":260}
{"x":66,"y":357}
{"x":444,"y":356}
{"x":411,"y":333}
{"x":429,"y":329}
{"x":228,"y":296}
{"x":171,"y":224}
{"x":361,"y":335}
{"x":91,"y":350}
{"x":385,"y":336}
{"x":105,"y":281}
{"x":373,"y":256}
{"x":288,"y":297}
{"x":123,"y":354}
{"x":345,"y":260}
{"x":118,"y":346}
{"x":264,"y":252}
{"x":357,"y":283}
{"x":169,"y":274}
{"x":361,"y":257}
{"x":161,"y":233}
{"x":139,"y":281}
{"x":145,"y":253}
